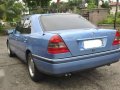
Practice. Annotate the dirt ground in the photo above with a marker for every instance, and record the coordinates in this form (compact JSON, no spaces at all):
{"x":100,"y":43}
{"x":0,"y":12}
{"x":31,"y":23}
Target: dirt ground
{"x":14,"y":76}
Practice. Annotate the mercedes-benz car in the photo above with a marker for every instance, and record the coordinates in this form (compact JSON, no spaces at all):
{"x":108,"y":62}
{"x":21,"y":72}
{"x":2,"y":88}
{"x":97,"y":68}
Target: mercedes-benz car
{"x":58,"y":44}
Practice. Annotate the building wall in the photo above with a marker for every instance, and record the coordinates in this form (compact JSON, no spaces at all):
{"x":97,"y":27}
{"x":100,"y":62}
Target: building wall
{"x":113,"y":9}
{"x":96,"y":15}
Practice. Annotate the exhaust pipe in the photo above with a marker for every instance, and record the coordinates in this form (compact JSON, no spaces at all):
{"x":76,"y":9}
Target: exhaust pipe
{"x":69,"y":74}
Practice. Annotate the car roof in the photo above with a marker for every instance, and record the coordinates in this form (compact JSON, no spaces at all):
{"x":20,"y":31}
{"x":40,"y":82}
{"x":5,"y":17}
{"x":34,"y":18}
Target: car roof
{"x":60,"y":14}
{"x":48,"y":14}
{"x":53,"y":14}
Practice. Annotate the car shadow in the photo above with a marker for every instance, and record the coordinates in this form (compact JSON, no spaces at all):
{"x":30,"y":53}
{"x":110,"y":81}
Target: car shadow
{"x":79,"y":79}
{"x":83,"y":79}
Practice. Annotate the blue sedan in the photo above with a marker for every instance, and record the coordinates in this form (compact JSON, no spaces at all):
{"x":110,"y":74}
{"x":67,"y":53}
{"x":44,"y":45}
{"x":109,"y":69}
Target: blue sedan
{"x":58,"y":44}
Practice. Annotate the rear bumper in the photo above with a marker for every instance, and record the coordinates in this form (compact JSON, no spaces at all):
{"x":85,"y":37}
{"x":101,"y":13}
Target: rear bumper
{"x":67,"y":65}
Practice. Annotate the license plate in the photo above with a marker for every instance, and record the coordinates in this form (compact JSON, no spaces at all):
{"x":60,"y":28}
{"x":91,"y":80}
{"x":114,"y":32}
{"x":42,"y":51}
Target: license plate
{"x":92,"y":43}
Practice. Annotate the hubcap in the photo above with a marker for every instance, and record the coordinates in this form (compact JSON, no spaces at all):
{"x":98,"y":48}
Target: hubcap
{"x":31,"y":67}
{"x":8,"y":50}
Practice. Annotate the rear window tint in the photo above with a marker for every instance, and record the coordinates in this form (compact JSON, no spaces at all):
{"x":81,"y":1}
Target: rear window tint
{"x":64,"y":22}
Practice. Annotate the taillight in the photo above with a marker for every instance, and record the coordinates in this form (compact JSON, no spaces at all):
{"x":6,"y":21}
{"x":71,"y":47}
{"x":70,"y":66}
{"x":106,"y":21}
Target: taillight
{"x":117,"y":39}
{"x":56,"y":45}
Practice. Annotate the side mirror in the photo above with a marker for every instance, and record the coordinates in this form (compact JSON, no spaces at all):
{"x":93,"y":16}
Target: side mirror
{"x":17,"y":32}
{"x":10,"y":31}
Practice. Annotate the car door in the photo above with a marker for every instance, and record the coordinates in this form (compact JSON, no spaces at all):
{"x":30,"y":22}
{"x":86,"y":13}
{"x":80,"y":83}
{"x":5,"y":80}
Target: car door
{"x":21,"y":38}
{"x":12,"y":41}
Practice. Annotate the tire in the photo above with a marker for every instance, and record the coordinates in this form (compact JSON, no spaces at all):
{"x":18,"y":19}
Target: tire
{"x":35,"y":75}
{"x":10,"y":53}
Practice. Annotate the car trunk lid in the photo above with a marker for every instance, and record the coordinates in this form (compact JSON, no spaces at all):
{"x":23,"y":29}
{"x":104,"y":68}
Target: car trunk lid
{"x":88,"y":41}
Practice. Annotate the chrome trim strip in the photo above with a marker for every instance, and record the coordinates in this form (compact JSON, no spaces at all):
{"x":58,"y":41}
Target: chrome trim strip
{"x":73,"y":58}
{"x":92,"y":38}
{"x":42,"y":57}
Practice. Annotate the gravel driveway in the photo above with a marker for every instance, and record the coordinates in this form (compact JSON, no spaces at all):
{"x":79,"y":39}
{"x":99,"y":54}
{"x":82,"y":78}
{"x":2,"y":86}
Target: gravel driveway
{"x":14,"y":76}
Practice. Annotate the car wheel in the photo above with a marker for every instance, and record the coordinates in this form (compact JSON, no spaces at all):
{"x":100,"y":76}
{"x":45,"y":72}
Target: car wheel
{"x":32,"y":69}
{"x":11,"y":54}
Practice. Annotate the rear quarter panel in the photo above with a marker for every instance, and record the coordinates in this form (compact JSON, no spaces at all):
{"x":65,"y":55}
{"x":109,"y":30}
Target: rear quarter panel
{"x":38,"y":45}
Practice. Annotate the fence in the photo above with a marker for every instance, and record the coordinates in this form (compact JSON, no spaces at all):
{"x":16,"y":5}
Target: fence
{"x":95,"y":15}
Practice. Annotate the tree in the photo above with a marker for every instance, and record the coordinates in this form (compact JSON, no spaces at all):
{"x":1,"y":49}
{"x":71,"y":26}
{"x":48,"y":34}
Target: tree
{"x":31,"y":3}
{"x":105,"y":5}
{"x":75,"y":3}
{"x":53,"y":7}
{"x":59,"y":7}
{"x":91,"y":4}
{"x":34,"y":3}
{"x":115,"y":20}
{"x":6,"y":9}
{"x":18,"y":9}
{"x":10,"y":9}
{"x":37,"y":6}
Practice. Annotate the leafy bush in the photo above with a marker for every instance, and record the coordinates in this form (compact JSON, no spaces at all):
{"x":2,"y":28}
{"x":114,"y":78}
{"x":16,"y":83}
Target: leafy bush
{"x":107,"y":21}
{"x":118,"y":20}
{"x":118,"y":14}
{"x":1,"y":27}
{"x":110,"y":20}
{"x":2,"y":31}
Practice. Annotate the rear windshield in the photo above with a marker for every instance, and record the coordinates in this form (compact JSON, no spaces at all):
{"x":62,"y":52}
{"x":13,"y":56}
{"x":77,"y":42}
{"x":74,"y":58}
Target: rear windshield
{"x":64,"y":22}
